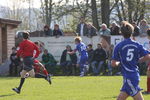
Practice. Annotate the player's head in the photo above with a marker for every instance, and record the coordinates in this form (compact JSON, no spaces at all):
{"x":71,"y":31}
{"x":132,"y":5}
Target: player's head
{"x":126,"y":29}
{"x":148,"y":33}
{"x":36,"y":43}
{"x":13,"y":49}
{"x":25,"y":35}
{"x":99,"y":45}
{"x":77,"y":40}
{"x":90,"y":46}
{"x":68,"y":47}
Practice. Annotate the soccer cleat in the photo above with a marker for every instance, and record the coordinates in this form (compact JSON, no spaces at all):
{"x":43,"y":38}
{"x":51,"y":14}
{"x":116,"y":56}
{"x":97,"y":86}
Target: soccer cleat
{"x":16,"y":90}
{"x":145,"y":92}
{"x":82,"y":74}
{"x":48,"y":78}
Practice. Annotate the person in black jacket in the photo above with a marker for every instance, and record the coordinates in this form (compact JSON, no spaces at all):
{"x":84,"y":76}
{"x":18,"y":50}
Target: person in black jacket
{"x":15,"y":61}
{"x":99,"y":57}
{"x":57,"y":31}
{"x":115,"y":29}
{"x":136,"y":29}
{"x":68,"y":62}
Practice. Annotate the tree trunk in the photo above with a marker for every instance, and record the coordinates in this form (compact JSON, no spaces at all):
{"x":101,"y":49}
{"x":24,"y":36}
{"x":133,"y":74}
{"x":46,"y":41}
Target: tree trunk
{"x":94,"y":14}
{"x":105,"y":8}
{"x":50,"y":12}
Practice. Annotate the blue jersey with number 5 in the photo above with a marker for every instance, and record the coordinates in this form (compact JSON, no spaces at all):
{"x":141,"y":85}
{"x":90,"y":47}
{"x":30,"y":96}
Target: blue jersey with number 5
{"x":82,"y":49}
{"x":128,"y":53}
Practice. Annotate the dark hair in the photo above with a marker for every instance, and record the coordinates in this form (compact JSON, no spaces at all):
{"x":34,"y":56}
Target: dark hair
{"x":25,"y":35}
{"x":90,"y":45}
{"x":56,"y":25}
{"x":100,"y":44}
{"x":46,"y":26}
{"x":37,"y":43}
{"x":148,"y":32}
{"x":126,"y":29}
{"x":13,"y":48}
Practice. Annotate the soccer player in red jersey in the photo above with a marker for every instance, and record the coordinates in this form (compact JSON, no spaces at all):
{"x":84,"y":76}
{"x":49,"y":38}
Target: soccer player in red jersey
{"x":148,"y":70}
{"x":26,"y":51}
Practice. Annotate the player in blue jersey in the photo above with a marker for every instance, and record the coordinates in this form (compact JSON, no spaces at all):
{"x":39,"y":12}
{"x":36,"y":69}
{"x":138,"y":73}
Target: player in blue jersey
{"x":128,"y":53}
{"x":82,"y":49}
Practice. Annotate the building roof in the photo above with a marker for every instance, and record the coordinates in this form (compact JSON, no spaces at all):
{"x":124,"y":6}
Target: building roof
{"x":10,"y":22}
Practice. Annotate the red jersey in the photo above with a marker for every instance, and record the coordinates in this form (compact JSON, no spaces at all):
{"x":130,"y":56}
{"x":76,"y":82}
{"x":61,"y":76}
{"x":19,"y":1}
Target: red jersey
{"x":27,"y":48}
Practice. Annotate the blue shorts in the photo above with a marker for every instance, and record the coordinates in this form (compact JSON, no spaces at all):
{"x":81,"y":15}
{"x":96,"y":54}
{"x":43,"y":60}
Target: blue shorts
{"x":83,"y":61}
{"x":131,"y":86}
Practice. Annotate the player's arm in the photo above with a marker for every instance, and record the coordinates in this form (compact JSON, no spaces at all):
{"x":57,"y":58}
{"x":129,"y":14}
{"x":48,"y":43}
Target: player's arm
{"x":115,"y":63}
{"x":145,"y":58}
{"x":115,"y":58}
{"x":72,"y":52}
{"x":20,"y":50}
{"x":37,"y":51}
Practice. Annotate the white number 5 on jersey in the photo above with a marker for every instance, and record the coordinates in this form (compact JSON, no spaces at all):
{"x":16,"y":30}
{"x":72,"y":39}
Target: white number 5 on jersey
{"x":130,"y":55}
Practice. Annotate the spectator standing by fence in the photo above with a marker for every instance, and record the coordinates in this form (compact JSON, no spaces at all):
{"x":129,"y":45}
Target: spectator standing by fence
{"x":48,"y":31}
{"x":82,"y":27}
{"x":115,"y":29}
{"x":91,"y":30}
{"x":57,"y":31}
{"x":104,"y":30}
{"x":136,"y":29}
{"x":143,"y":28}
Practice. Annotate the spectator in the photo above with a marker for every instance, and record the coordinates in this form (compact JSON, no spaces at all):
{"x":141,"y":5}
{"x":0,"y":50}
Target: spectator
{"x":68,"y":62}
{"x":82,"y":27}
{"x":48,"y":31}
{"x":115,"y":29}
{"x":99,"y":57}
{"x":136,"y":29}
{"x":49,"y":61}
{"x":15,"y":61}
{"x":90,"y":55}
{"x":143,"y":28}
{"x":109,"y":59}
{"x":57,"y":31}
{"x":91,"y":30}
{"x":104,"y":30}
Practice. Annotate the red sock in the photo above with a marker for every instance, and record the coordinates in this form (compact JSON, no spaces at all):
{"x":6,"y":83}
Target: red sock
{"x":148,"y":84}
{"x":45,"y":72}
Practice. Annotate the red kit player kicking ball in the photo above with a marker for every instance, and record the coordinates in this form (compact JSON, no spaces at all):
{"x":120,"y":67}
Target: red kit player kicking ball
{"x":26,"y":51}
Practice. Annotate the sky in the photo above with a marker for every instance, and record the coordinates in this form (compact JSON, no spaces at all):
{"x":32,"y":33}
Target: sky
{"x":35,"y":4}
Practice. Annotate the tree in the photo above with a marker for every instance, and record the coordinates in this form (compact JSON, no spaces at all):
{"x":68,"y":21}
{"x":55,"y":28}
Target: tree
{"x":94,"y":14}
{"x":47,"y":6}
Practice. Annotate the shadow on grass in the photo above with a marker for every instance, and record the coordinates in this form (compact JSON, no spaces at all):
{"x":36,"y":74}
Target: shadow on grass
{"x":6,"y":95}
{"x":109,"y":97}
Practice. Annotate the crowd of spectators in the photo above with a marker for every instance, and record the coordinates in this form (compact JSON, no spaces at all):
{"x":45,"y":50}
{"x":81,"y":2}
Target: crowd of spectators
{"x":87,"y":29}
{"x":99,"y":58}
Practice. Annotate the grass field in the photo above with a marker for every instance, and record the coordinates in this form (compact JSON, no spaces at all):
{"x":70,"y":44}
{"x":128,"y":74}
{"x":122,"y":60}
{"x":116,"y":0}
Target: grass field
{"x":65,"y":88}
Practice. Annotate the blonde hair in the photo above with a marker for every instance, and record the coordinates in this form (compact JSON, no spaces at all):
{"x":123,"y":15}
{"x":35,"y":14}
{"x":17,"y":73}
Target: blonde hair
{"x":79,"y":39}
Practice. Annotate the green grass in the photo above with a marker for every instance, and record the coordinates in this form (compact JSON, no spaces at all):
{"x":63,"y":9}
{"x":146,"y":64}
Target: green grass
{"x":66,"y":88}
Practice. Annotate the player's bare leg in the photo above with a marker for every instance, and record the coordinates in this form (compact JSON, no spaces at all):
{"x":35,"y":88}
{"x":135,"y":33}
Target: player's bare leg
{"x":122,"y":96}
{"x":138,"y":96}
{"x":148,"y":83}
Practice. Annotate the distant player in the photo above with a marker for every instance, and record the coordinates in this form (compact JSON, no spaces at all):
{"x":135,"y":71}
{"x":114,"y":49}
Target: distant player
{"x":148,"y":71}
{"x":82,"y":49}
{"x":127,"y":53}
{"x":26,"y":51}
